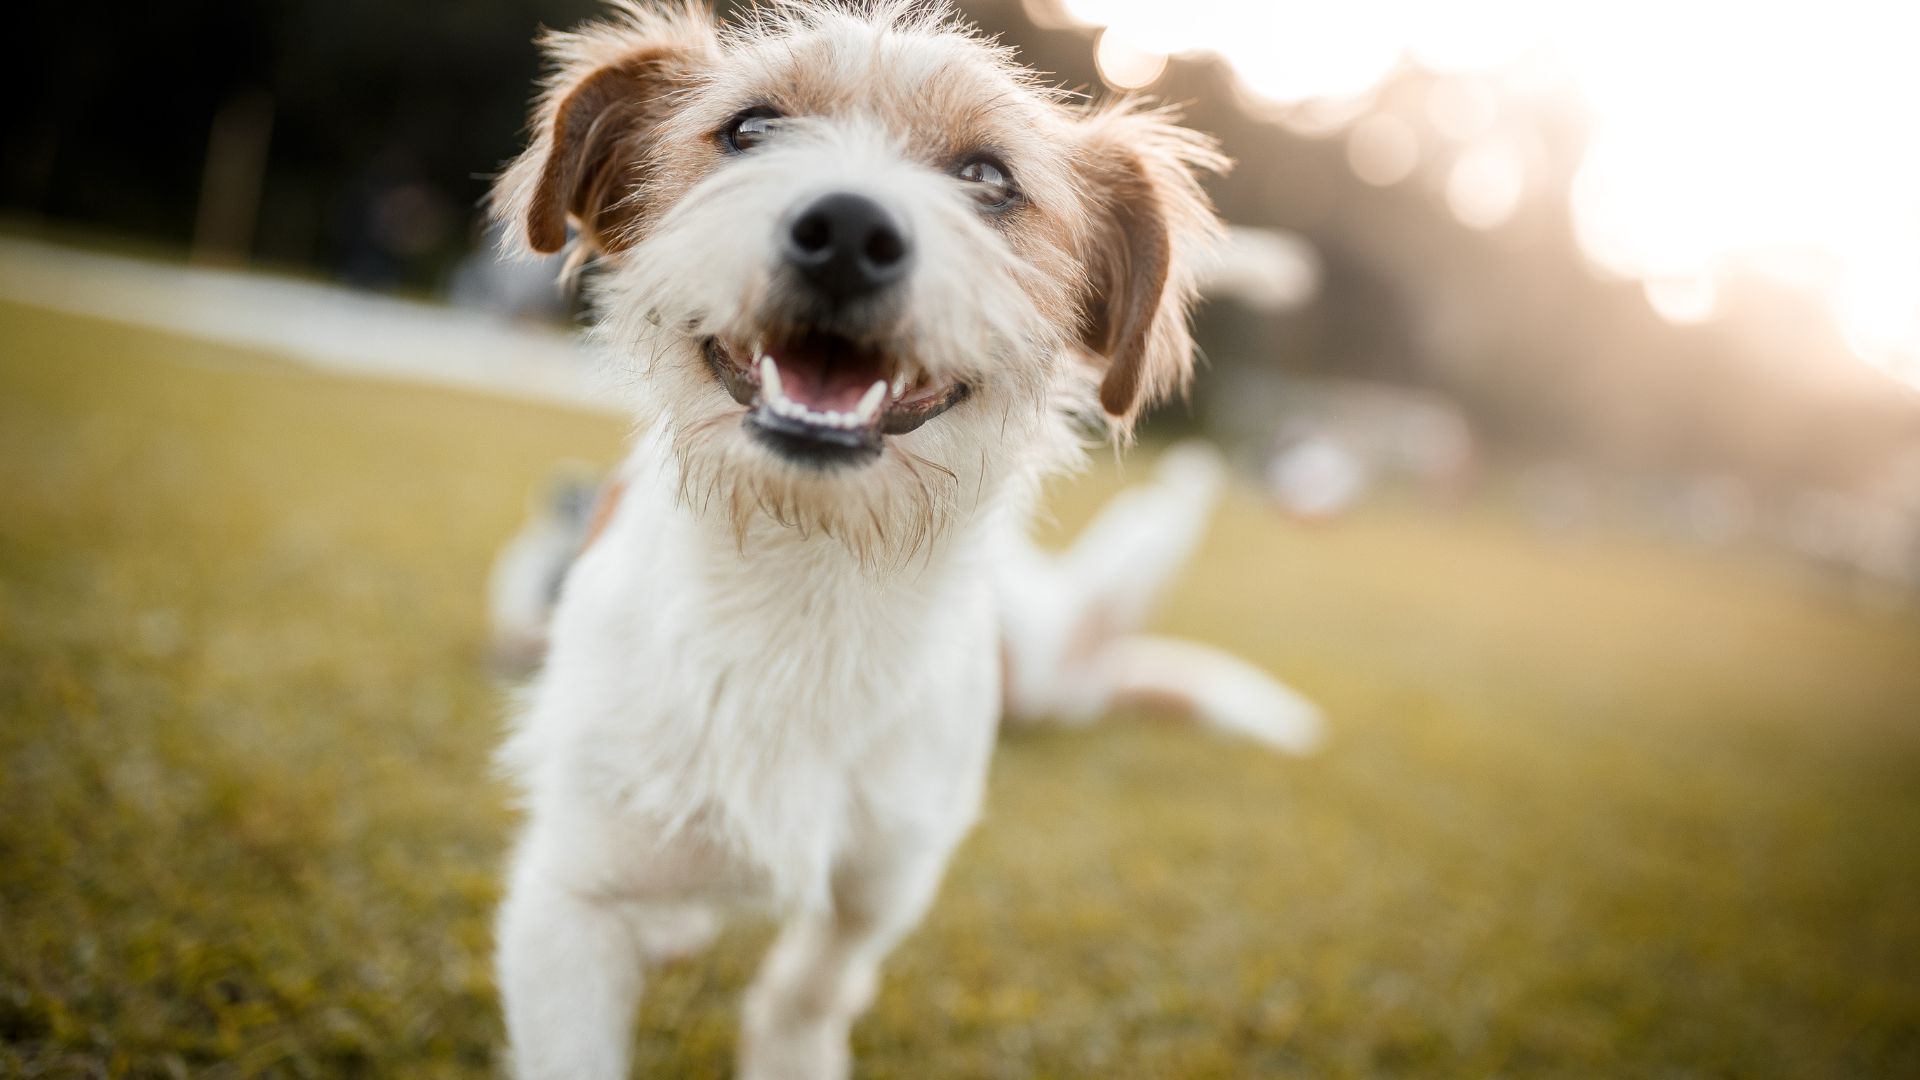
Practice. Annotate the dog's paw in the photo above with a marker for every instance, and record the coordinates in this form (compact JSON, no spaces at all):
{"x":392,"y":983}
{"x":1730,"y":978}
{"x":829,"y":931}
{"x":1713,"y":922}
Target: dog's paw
{"x":1291,"y":727}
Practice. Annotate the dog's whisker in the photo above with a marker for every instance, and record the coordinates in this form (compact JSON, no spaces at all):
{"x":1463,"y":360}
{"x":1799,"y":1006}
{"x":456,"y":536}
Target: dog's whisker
{"x":949,"y":473}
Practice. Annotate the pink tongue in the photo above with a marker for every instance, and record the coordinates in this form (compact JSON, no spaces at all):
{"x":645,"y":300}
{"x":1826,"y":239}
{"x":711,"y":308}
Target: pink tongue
{"x":825,"y":376}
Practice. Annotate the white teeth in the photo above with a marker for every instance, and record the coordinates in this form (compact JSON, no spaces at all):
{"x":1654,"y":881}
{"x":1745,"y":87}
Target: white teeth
{"x":774,"y":396}
{"x":869,"y":406}
{"x":900,"y":384}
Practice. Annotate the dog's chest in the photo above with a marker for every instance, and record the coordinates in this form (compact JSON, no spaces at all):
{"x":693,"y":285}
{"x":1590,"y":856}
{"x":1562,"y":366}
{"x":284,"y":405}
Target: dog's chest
{"x":767,"y":715}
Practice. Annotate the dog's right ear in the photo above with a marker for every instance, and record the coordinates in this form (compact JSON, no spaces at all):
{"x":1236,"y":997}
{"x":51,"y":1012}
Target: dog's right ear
{"x":1152,"y":226}
{"x":595,"y":123}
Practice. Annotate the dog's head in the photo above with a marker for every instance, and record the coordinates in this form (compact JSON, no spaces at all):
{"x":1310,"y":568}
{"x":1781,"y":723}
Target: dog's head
{"x":864,"y":264}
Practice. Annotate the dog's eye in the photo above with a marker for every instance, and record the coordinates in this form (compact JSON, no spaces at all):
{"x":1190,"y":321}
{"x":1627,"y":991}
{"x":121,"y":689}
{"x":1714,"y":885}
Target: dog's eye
{"x":991,"y":182}
{"x":745,"y":131}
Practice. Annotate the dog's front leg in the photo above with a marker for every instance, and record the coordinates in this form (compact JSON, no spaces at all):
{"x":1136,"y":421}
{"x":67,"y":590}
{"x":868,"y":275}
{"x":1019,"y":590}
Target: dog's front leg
{"x":569,"y":970}
{"x":821,"y":973}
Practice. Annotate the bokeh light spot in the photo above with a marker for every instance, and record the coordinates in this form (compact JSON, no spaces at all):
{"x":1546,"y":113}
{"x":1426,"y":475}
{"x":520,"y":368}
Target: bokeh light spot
{"x":1383,"y":149}
{"x":1124,"y":65}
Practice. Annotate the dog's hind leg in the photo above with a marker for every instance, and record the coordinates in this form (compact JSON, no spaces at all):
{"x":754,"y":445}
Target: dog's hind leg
{"x":1070,"y":620}
{"x":1144,"y":536}
{"x":1059,"y":611}
{"x":569,"y":971}
{"x":821,"y":973}
{"x":1217,"y":689}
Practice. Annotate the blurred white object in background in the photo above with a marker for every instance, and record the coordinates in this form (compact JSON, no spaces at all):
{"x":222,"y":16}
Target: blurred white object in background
{"x":1874,"y":541}
{"x":1715,"y":509}
{"x":1316,"y":477}
{"x":1268,"y":270}
{"x":1558,"y":496}
{"x":1328,"y":443}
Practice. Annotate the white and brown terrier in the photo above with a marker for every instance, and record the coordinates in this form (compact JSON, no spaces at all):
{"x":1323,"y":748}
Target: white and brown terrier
{"x":869,"y":279}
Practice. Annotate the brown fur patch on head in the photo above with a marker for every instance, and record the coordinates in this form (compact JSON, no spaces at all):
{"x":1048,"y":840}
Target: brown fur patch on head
{"x":611,"y":86}
{"x":1079,"y":262}
{"x":1151,"y":224}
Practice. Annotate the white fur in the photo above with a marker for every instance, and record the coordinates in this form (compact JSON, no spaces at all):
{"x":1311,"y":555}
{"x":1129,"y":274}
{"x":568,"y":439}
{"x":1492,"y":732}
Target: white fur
{"x":1071,"y":622}
{"x":772,"y":687}
{"x":768,"y":687}
{"x":781,"y":730}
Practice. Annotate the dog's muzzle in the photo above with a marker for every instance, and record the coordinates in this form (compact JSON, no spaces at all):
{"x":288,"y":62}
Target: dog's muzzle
{"x":817,"y":391}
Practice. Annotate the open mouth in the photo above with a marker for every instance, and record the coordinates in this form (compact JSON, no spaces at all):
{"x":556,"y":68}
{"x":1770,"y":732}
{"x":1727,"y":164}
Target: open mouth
{"x":825,"y":400}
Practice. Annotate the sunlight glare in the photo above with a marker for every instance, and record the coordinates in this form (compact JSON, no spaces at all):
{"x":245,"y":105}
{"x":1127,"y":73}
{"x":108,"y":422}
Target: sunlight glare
{"x":1462,"y":109}
{"x":1722,"y":137}
{"x":1682,"y":300}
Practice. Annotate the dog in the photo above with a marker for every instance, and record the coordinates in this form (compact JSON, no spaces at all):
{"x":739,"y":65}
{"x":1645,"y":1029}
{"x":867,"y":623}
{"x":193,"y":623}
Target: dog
{"x":868,"y":280}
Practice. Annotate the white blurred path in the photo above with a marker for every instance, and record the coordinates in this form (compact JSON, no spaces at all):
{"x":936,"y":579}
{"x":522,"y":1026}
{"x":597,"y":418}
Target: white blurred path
{"x":370,"y":334}
{"x":325,"y":326}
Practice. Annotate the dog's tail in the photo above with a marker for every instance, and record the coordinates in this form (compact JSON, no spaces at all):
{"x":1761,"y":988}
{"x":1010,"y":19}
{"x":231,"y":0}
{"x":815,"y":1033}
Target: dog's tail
{"x":527,"y":574}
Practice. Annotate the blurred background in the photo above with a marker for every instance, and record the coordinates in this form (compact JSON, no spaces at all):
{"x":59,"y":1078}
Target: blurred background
{"x":1569,"y":355}
{"x":1656,"y":265}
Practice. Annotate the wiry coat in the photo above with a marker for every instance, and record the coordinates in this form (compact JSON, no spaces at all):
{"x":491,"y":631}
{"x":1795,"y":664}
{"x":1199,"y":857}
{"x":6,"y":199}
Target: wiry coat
{"x":772,"y":684}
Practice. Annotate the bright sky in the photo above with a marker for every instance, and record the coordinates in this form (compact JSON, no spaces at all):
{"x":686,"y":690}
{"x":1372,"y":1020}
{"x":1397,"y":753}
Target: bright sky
{"x":1774,"y":138}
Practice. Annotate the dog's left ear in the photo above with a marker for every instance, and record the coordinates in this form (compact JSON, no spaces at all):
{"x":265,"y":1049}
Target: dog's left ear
{"x":1152,"y":225}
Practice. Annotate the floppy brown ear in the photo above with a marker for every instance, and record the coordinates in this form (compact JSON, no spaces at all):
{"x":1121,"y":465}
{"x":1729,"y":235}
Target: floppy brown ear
{"x":595,"y":125}
{"x":1152,"y":224}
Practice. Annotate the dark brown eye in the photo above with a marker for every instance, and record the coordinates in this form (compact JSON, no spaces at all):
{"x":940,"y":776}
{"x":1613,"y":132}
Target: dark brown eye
{"x":745,"y":131}
{"x":992,"y":183}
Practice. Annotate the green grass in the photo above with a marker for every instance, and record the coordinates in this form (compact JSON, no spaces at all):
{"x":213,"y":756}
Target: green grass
{"x":1589,"y":809}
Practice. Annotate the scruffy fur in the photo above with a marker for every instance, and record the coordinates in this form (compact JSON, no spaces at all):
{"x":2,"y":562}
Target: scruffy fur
{"x":776,"y":686}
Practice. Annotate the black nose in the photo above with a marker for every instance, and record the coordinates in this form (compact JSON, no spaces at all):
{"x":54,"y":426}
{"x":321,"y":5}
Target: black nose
{"x":847,"y":247}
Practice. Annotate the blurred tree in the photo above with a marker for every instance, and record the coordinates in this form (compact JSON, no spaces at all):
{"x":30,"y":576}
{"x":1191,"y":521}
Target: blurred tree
{"x":387,"y":118}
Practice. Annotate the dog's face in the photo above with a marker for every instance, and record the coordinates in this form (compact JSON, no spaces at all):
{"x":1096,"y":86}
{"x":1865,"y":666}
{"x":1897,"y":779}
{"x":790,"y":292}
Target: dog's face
{"x":864,"y":265}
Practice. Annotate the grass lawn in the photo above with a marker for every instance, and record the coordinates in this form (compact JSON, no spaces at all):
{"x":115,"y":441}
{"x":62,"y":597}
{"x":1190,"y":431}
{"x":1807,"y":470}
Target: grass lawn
{"x":1590,"y":808}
